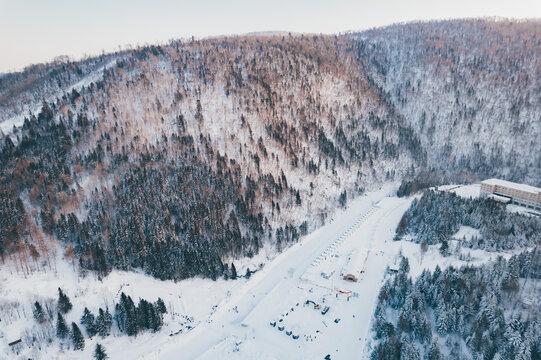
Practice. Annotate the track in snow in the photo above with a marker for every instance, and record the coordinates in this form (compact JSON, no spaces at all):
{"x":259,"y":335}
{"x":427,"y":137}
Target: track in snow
{"x":240,"y":326}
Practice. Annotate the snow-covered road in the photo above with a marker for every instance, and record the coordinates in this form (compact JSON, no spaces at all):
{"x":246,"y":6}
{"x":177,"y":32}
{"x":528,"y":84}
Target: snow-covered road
{"x":360,"y":238}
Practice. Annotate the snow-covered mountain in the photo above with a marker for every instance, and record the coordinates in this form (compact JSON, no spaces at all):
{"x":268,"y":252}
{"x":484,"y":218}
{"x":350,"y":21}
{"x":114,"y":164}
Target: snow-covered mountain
{"x":470,"y":90}
{"x":180,"y":160}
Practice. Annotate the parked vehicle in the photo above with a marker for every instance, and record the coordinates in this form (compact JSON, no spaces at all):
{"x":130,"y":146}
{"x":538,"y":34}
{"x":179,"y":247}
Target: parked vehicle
{"x":316,"y":306}
{"x":325,"y":310}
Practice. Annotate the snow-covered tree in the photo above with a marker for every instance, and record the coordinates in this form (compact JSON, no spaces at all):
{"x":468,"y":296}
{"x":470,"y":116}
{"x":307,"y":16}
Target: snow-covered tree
{"x":62,"y":330}
{"x":88,"y":321}
{"x":39,"y":314}
{"x":99,"y":353}
{"x":77,"y":337}
{"x":64,"y":303}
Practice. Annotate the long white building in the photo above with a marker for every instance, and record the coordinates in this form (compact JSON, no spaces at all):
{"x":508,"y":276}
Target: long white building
{"x":521,"y":194}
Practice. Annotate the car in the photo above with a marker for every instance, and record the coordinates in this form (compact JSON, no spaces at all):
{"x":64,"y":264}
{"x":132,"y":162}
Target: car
{"x":295,"y":337}
{"x":273,"y":323}
{"x":281,"y":328}
{"x":289,"y":332}
{"x":337,"y":320}
{"x":325,"y":310}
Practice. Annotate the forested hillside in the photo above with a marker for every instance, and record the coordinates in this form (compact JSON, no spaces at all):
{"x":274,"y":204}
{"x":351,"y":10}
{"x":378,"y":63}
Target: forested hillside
{"x":183,"y":157}
{"x":23,"y":91}
{"x":470,"y":89}
{"x":437,"y":216}
{"x":187,"y":155}
{"x":488,"y":312}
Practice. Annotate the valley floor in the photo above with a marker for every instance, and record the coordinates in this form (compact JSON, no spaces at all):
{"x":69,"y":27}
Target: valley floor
{"x":358,"y":240}
{"x":232,"y":319}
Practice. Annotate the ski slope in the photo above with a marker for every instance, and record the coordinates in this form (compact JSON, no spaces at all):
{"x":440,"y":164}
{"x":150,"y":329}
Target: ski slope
{"x":227,"y":319}
{"x":360,"y":239}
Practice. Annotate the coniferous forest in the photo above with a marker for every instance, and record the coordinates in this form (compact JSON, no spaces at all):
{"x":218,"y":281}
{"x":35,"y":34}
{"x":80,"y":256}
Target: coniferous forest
{"x":488,"y":312}
{"x":185,"y":156}
{"x":436,"y":216}
{"x":200,"y":158}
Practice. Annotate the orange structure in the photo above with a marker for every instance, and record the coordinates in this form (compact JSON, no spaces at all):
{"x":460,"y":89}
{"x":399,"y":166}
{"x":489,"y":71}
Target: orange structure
{"x":344,"y":292}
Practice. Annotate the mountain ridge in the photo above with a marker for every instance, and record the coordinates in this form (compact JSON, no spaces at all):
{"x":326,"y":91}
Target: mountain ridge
{"x":185,"y":156}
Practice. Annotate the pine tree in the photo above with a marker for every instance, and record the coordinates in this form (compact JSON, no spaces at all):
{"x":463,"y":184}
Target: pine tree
{"x":103,"y":323}
{"x":38,"y":313}
{"x":61,"y":327}
{"x":99,"y":353}
{"x":64,"y":303}
{"x":143,"y":314}
{"x":155,"y":319}
{"x":434,"y":350}
{"x":126,"y":315}
{"x":160,"y":306}
{"x":77,"y":337}
{"x":120,"y":317}
{"x":444,"y":248}
{"x":342,"y":200}
{"x":404,"y":265}
{"x":89,"y":322}
{"x":233,"y":272}
{"x":408,"y":350}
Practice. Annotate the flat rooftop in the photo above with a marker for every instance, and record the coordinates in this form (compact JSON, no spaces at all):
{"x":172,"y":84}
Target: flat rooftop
{"x":512,"y":185}
{"x":500,"y":198}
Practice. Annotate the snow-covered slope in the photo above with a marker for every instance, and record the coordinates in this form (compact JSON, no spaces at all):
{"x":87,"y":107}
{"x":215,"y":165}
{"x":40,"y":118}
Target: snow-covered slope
{"x":33,"y":107}
{"x":231,"y":319}
{"x":469,"y":88}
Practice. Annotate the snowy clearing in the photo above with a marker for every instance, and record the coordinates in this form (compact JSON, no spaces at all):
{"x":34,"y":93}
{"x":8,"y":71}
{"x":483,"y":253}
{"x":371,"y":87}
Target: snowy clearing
{"x":297,"y":306}
{"x":466,"y":191}
{"x":360,"y":239}
{"x":188,"y":302}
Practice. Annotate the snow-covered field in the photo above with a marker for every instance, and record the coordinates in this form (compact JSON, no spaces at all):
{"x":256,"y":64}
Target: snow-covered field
{"x":232,"y":319}
{"x":359,"y":239}
{"x":189,"y":303}
{"x":466,"y":191}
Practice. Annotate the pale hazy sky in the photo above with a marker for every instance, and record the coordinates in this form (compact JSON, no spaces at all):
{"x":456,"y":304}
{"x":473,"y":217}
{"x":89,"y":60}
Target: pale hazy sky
{"x":38,"y":30}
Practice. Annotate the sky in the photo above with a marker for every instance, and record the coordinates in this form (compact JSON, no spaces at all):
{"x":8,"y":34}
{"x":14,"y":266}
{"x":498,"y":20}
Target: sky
{"x":33,"y":31}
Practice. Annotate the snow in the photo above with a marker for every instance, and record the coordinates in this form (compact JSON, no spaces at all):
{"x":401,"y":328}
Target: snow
{"x":360,"y":238}
{"x":522,"y":210}
{"x":432,"y":258}
{"x":231,"y":319}
{"x":499,"y":198}
{"x":466,"y":232}
{"x":188,"y":302}
{"x":466,"y":191}
{"x":6,"y":126}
